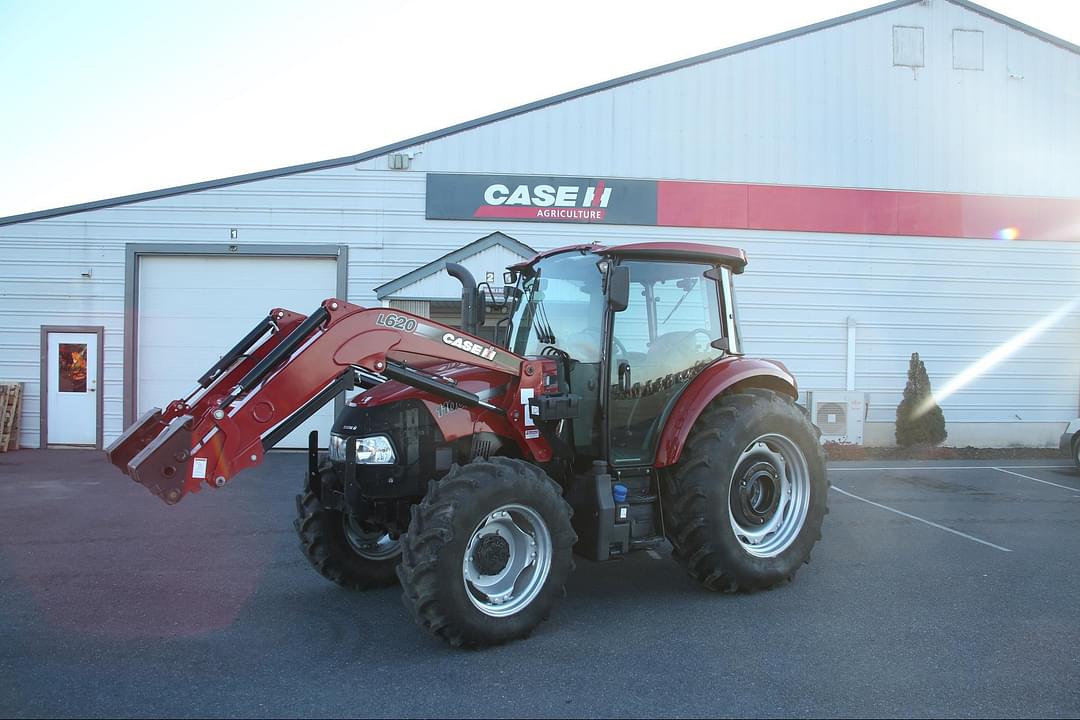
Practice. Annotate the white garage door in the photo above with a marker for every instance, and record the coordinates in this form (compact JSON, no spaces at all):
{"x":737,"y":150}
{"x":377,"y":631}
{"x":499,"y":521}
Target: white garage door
{"x":193,"y":309}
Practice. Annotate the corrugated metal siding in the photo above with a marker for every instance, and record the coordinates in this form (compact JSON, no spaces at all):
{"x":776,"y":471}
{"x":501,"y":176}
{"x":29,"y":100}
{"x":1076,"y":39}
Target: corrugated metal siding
{"x":827,"y":108}
{"x":950,"y":300}
{"x":416,"y":307}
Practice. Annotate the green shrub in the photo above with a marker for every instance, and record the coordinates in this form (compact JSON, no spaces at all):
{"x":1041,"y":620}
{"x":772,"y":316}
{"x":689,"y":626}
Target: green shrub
{"x":919,"y":420}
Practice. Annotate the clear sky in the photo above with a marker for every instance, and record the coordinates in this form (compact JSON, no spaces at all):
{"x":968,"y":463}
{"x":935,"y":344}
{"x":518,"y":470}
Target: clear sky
{"x":99,"y":99}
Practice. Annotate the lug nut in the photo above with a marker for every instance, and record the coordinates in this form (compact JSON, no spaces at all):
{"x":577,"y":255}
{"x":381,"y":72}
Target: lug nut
{"x":219,"y":481}
{"x":219,"y":414}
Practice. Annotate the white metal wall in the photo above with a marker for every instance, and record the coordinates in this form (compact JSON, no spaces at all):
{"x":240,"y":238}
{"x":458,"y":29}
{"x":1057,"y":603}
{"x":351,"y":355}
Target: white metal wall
{"x":828,"y":108}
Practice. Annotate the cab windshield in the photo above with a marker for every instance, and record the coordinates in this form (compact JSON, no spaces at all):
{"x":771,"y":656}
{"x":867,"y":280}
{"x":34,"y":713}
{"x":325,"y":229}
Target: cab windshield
{"x":561,"y":307}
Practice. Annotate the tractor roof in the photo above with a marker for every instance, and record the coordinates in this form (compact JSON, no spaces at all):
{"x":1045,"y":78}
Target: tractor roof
{"x":734,"y":258}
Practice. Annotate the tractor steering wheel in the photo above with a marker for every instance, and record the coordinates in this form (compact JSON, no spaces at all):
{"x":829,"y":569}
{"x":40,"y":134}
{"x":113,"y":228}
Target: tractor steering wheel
{"x":702,"y":331}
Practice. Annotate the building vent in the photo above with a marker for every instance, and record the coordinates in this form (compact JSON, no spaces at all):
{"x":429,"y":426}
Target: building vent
{"x":967,"y":49}
{"x":907,"y":46}
{"x":839,"y":415}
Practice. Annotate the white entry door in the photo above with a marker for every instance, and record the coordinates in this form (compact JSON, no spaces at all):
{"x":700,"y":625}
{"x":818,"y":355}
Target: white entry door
{"x":71,"y":364}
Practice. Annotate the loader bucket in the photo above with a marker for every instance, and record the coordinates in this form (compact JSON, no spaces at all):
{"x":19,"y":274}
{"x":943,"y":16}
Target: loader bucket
{"x":134,"y":439}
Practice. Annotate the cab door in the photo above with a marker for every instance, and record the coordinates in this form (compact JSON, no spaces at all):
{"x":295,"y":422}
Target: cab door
{"x":659,"y":343}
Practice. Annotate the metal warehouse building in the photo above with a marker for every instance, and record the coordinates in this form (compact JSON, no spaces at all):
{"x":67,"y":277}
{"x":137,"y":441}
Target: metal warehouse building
{"x":904,"y":179}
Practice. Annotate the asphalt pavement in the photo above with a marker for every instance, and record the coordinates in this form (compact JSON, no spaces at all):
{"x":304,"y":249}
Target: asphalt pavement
{"x":939,"y":589}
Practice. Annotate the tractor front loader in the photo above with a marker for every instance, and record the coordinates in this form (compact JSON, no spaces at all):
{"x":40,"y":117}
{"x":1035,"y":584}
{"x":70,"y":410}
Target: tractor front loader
{"x":614,"y":412}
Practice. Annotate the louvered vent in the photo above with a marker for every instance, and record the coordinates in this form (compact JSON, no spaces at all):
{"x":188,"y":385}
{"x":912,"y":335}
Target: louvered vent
{"x":832,"y":418}
{"x":481,"y":448}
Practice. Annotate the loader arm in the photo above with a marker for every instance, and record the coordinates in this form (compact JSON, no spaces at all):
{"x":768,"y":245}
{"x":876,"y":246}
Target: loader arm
{"x":251,"y":402}
{"x":225,"y":373}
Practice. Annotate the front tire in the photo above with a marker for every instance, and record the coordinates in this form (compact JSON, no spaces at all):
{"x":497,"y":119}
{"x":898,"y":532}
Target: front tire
{"x":749,"y":493}
{"x":487,"y":552}
{"x":339,"y":549}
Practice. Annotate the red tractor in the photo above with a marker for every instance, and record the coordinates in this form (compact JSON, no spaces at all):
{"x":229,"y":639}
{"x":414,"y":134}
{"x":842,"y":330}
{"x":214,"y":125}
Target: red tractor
{"x":614,"y":411}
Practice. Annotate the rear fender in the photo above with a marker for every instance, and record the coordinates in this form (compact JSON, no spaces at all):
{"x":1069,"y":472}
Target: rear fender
{"x":710,"y":384}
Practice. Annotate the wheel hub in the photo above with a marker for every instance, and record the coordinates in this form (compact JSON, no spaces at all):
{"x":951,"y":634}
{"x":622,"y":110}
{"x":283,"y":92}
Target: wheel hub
{"x":491,"y":554}
{"x":507,"y":560}
{"x":369,"y":544}
{"x":756,"y":496}
{"x":770,"y":495}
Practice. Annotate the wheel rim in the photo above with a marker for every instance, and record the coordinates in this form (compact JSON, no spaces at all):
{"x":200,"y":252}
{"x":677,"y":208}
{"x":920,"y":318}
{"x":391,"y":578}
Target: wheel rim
{"x":370,"y":545}
{"x":769,"y":495}
{"x":507,"y":560}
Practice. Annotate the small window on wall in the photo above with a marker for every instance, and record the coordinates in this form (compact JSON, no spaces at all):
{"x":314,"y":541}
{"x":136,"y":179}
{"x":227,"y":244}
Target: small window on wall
{"x":72,"y":367}
{"x":967,"y":48}
{"x":907,"y":46}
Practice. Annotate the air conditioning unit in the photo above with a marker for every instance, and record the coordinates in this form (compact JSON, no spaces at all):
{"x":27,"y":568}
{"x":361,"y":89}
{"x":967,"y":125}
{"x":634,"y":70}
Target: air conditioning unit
{"x":839,"y":415}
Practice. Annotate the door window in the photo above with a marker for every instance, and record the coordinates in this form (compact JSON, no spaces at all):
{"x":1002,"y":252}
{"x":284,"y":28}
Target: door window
{"x":72,"y":364}
{"x":660,"y":342}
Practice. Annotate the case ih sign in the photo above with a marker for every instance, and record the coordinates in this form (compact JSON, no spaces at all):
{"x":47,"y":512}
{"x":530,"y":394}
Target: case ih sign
{"x":543,"y":199}
{"x":747,"y":206}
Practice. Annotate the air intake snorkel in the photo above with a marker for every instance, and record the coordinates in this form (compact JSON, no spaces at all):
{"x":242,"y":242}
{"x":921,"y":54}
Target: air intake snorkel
{"x":472,"y":305}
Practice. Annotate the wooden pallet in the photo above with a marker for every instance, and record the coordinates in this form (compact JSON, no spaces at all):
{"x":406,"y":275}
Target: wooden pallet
{"x":10,"y":404}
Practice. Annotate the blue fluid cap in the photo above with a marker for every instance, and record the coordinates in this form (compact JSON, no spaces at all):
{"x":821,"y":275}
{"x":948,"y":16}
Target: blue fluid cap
{"x":618,"y":492}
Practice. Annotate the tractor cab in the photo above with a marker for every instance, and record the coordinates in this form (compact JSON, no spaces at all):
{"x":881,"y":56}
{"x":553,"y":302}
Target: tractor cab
{"x":632,"y":325}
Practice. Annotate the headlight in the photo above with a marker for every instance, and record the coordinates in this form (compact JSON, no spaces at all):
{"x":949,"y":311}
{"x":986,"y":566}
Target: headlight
{"x":374,"y":450}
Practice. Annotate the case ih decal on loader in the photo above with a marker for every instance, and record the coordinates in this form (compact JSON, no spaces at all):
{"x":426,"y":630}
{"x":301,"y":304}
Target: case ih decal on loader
{"x":617,"y":411}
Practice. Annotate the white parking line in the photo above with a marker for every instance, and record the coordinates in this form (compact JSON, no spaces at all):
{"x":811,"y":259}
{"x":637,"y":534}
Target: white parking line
{"x":1044,"y":482}
{"x":955,"y":467}
{"x":919,"y":519}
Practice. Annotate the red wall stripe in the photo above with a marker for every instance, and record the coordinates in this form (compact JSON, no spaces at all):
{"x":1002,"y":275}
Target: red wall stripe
{"x":701,"y":204}
{"x":870,"y":212}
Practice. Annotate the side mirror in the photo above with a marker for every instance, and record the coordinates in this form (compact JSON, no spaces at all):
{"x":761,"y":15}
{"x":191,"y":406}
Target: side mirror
{"x":618,"y":288}
{"x":722,"y":344}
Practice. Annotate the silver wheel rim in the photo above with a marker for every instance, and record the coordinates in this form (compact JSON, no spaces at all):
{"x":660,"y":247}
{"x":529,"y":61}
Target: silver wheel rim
{"x":370,"y":545}
{"x":769,"y":495}
{"x":528,"y":544}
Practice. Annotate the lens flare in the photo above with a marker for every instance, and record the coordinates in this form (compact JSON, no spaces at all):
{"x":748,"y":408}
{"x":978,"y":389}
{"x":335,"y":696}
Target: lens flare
{"x":995,"y":356}
{"x":1008,"y":233}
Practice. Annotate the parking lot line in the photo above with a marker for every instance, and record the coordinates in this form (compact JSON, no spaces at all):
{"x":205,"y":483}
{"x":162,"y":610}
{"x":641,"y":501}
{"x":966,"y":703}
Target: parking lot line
{"x":922,"y":520}
{"x":1044,"y":482}
{"x":954,"y":467}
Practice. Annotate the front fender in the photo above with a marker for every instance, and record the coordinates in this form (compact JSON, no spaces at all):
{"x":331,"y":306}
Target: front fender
{"x":706,"y":387}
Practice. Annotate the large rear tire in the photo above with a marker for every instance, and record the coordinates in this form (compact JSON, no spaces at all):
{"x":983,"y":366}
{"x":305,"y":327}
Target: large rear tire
{"x":487,"y":552}
{"x":340,"y":550}
{"x":746,"y":500}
